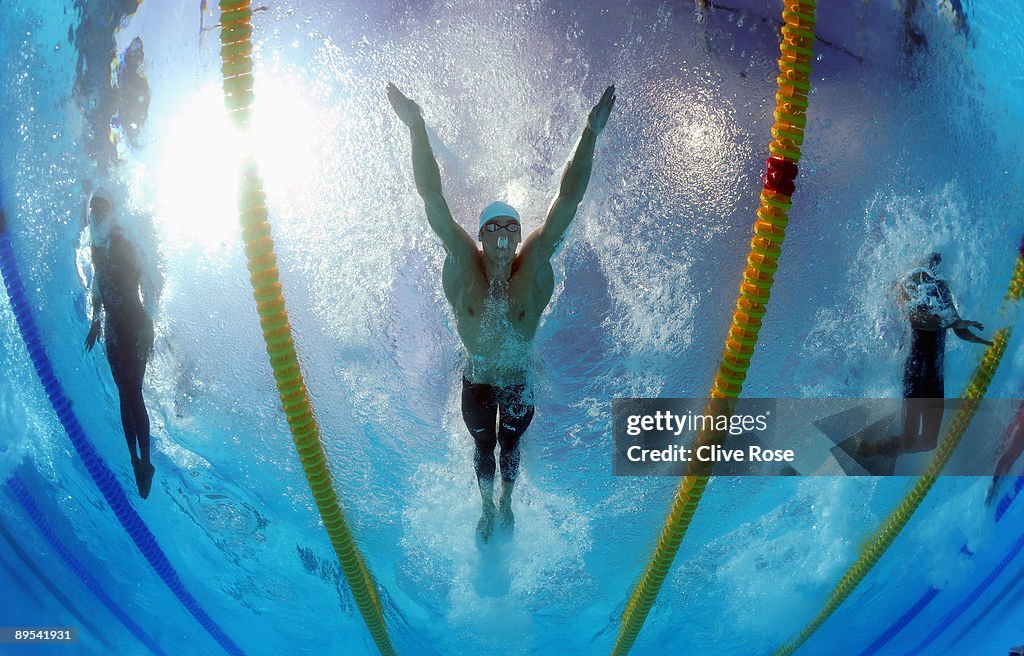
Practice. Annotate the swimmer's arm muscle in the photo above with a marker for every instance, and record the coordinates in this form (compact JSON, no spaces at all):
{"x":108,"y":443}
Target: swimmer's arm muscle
{"x":457,"y":242}
{"x":97,"y":299}
{"x":428,"y":178}
{"x":151,"y":279}
{"x":961,"y":331}
{"x":570,"y":194}
{"x":574,"y":183}
{"x":148,"y":287}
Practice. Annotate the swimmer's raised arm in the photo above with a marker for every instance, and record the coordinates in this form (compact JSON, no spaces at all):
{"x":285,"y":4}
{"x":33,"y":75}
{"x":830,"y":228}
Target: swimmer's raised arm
{"x":428,"y":177}
{"x":574,"y":182}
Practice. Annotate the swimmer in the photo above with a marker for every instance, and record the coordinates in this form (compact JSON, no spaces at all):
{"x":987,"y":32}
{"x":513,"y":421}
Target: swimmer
{"x":96,"y":97}
{"x":497,"y":296}
{"x":133,"y":92}
{"x":1012,"y":448}
{"x":119,"y":314}
{"x":931,"y":311}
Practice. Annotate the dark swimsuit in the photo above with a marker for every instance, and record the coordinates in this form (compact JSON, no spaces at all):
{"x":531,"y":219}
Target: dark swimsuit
{"x":496,"y":415}
{"x":129,"y":331}
{"x":922,"y":375}
{"x":129,"y":340}
{"x":923,"y":379}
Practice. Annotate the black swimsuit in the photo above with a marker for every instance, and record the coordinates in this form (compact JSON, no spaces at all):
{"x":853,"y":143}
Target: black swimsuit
{"x":129,"y":332}
{"x":128,"y":336}
{"x":922,"y":375}
{"x":496,"y":415}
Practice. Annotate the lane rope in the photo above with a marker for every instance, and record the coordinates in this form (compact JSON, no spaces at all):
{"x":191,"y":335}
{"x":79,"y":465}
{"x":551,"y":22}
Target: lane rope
{"x":237,"y":65}
{"x":17,"y":489}
{"x":1001,"y":508}
{"x":952,"y":433}
{"x":98,"y":470}
{"x":796,"y":52}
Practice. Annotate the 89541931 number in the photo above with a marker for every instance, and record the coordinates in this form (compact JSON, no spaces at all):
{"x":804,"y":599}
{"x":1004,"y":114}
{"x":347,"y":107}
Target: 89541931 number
{"x":14,"y":635}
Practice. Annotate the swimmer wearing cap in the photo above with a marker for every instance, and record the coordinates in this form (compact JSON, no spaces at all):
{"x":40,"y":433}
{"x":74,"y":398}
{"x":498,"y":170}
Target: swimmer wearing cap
{"x":498,"y":293}
{"x":928,"y":302}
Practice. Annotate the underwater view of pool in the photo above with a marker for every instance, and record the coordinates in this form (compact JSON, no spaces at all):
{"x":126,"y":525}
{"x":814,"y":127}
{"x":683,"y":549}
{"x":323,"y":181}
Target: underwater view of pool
{"x":912,"y":146}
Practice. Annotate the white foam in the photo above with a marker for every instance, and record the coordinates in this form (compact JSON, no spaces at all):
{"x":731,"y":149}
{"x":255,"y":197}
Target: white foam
{"x":790,"y":552}
{"x":900,"y":230}
{"x":490,"y":591}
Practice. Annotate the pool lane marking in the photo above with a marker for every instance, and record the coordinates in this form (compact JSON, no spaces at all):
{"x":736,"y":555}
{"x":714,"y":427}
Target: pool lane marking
{"x":926,"y":598}
{"x":98,"y":470}
{"x":974,"y":595}
{"x":45,"y":581}
{"x":264,"y":278}
{"x":791,"y":99}
{"x":16,"y":488}
{"x":1016,"y":581}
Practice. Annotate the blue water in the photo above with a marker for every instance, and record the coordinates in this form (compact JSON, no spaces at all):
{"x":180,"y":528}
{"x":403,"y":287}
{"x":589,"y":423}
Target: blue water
{"x":902,"y":156}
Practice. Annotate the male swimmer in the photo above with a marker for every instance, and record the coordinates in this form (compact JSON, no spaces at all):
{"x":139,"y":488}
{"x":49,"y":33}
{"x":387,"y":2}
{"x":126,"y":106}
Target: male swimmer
{"x":497,"y":296}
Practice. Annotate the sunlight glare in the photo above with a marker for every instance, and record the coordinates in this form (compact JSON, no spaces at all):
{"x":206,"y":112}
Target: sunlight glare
{"x":200,"y":164}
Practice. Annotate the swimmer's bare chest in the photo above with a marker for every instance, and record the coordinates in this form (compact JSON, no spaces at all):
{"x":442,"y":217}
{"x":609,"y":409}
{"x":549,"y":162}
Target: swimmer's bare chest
{"x":467,"y":292}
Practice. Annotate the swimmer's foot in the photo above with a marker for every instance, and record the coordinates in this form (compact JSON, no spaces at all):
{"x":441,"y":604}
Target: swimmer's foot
{"x":143,"y":476}
{"x":506,"y":519}
{"x":485,"y":527}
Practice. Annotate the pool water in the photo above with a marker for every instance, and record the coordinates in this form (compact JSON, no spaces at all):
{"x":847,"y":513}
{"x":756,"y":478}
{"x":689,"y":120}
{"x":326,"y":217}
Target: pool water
{"x":906,"y":152}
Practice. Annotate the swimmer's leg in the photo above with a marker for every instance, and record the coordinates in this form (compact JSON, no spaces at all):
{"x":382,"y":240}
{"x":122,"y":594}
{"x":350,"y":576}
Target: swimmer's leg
{"x":932,"y":410}
{"x":931,"y":422}
{"x":128,"y":369}
{"x":144,"y":469}
{"x":144,"y":472}
{"x":138,"y":403}
{"x":515,"y":419}
{"x":480,"y":412}
{"x":913,"y":411}
{"x":128,"y":423}
{"x":122,"y":379}
{"x":913,"y":391}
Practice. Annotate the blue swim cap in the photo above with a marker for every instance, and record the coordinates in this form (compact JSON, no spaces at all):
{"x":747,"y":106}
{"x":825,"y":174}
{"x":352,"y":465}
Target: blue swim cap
{"x":496,"y":209}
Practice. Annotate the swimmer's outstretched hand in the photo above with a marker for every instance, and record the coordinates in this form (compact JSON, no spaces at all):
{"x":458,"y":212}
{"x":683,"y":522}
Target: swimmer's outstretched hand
{"x":408,"y":111}
{"x":599,"y":114}
{"x":94,"y":333}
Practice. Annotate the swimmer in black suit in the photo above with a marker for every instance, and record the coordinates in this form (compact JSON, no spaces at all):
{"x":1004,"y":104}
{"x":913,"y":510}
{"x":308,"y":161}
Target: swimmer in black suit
{"x":498,"y":296}
{"x":117,"y":282}
{"x":930,"y":308}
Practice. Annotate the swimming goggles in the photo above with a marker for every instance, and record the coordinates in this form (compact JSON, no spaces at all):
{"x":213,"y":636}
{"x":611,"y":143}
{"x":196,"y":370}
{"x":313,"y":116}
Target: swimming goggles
{"x":494,"y":227}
